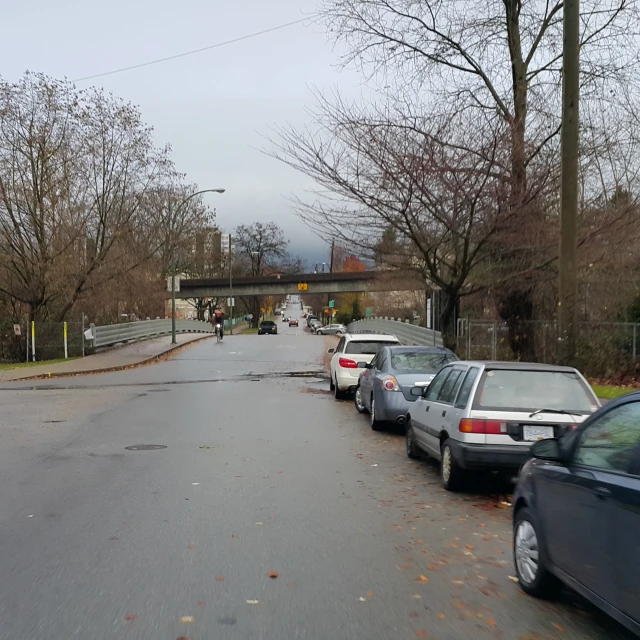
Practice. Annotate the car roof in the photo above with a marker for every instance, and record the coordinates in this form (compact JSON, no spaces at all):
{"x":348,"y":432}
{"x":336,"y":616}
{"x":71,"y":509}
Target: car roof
{"x":517,"y":366}
{"x":364,"y":337}
{"x":401,"y":348}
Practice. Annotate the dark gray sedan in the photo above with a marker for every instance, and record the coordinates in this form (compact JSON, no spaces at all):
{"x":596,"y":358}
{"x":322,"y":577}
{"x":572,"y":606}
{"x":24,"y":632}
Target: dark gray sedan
{"x":384,"y":387}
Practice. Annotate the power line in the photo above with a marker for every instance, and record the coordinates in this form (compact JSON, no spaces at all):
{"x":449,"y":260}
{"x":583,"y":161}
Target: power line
{"x":190,"y":53}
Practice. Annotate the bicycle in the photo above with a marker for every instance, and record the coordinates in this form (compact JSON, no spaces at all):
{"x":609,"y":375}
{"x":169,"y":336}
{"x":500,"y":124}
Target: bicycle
{"x":218,"y":333}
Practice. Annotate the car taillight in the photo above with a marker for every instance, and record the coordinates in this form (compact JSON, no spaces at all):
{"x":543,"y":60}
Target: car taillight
{"x":390,"y":384}
{"x":493,"y":427}
{"x":347,"y":364}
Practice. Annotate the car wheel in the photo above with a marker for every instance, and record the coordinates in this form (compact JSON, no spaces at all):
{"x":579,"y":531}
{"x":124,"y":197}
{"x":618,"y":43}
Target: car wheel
{"x":357,"y":400}
{"x":375,"y":423}
{"x":413,"y":451}
{"x":319,"y":333}
{"x":534,"y":577}
{"x":452,"y":474}
{"x":339,"y":395}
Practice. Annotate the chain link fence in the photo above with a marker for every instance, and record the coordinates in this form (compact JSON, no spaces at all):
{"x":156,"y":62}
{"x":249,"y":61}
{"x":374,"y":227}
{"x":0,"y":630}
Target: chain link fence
{"x":604,"y":348}
{"x":43,"y":341}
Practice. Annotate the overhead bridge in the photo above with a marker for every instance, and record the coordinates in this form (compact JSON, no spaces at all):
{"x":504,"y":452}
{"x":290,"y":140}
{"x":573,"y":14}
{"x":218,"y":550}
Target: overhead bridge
{"x":305,"y":283}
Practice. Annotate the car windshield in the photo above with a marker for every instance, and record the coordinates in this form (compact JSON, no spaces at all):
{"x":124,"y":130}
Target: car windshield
{"x":530,"y":390}
{"x":366,"y":347}
{"x":420,"y":360}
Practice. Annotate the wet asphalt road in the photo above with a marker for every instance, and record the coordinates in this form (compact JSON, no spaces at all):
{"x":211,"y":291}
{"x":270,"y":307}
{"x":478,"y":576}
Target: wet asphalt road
{"x":263,"y":471}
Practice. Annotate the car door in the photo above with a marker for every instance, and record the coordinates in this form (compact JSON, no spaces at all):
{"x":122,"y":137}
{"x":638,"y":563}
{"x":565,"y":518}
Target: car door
{"x":421,"y":413}
{"x":366,"y":382}
{"x":335,"y":357}
{"x":442,"y":413}
{"x":581,"y":506}
{"x":617,"y":445}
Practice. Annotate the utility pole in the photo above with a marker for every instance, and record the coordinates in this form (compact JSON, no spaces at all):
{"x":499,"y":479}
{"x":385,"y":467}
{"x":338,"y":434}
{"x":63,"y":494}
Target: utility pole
{"x":333,"y":245}
{"x":570,"y":145}
{"x":230,"y":287}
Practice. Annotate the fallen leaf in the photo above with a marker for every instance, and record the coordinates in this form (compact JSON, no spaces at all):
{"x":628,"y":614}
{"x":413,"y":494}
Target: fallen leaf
{"x":558,"y":627}
{"x":201,"y":603}
{"x":491,"y":622}
{"x":421,"y":633}
{"x":191,"y":546}
{"x":362,"y":599}
{"x":280,"y":471}
{"x":423,"y":578}
{"x":432,"y":566}
{"x":233,"y":535}
{"x":369,"y":594}
{"x":483,"y":525}
{"x":186,"y":619}
{"x":470,"y":547}
{"x":458,"y":582}
{"x":131,"y":616}
{"x":184,"y":638}
{"x":195,"y":484}
{"x":404,"y":566}
{"x":252,"y":601}
{"x":220,"y":579}
{"x":260,"y":523}
{"x":273,"y":575}
{"x":441,"y":616}
{"x":413,"y":614}
{"x":486,"y":538}
{"x":513,"y":579}
{"x":291,"y":584}
{"x":114,"y":538}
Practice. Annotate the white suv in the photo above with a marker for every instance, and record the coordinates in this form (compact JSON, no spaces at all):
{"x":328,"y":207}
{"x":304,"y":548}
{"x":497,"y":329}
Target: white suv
{"x":353,"y":349}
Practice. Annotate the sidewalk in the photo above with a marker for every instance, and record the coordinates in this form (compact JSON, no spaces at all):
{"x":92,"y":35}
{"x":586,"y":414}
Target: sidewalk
{"x":119,"y":358}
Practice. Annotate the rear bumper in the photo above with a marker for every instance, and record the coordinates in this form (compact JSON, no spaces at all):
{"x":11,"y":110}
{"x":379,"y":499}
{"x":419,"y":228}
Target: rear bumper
{"x":489,"y":456}
{"x":392,"y":406}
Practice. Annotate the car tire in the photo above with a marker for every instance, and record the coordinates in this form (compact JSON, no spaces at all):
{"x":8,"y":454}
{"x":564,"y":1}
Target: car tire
{"x":357,"y":400}
{"x":528,"y":559}
{"x":413,"y":451}
{"x":319,"y":333}
{"x":332,"y":387}
{"x":453,"y":476}
{"x":339,"y":395}
{"x":375,"y":423}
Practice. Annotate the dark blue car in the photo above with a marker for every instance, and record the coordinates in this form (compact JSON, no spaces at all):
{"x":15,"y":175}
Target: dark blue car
{"x":577,"y":513}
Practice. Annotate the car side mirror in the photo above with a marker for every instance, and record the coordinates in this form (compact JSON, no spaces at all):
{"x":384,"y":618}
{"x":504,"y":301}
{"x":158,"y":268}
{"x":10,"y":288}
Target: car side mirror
{"x":363,"y":365}
{"x":331,"y":350}
{"x":547,"y":449}
{"x":417,"y":391}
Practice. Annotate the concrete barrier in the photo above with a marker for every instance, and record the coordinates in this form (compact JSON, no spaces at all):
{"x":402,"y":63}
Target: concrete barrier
{"x":407,"y":333}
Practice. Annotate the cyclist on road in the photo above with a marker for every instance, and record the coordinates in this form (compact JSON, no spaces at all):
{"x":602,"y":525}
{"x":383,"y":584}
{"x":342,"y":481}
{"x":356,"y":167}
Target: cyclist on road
{"x":218,"y":319}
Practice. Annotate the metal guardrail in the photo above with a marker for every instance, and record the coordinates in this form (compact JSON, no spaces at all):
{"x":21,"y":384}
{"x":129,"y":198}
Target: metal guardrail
{"x":406,"y":332}
{"x":109,"y":335}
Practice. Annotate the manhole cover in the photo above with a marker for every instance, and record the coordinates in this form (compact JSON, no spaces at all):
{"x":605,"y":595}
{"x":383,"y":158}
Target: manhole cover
{"x":145,"y":447}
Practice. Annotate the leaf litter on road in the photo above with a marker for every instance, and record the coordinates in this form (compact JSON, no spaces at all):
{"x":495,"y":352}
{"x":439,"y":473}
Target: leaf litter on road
{"x":273,"y":575}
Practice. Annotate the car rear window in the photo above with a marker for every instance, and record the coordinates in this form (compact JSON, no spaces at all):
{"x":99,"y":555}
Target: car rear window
{"x":365,"y":346}
{"x":267,"y":323}
{"x":531,"y":390}
{"x":420,"y":361}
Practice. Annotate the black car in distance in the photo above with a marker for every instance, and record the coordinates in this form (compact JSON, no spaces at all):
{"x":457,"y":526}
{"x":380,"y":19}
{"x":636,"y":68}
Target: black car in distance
{"x":268,"y":326}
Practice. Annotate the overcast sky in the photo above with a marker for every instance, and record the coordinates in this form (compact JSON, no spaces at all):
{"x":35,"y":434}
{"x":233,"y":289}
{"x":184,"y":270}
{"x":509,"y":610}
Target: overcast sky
{"x":212,"y":107}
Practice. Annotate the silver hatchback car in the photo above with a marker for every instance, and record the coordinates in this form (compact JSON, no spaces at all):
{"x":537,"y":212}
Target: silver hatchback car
{"x":486,"y":415}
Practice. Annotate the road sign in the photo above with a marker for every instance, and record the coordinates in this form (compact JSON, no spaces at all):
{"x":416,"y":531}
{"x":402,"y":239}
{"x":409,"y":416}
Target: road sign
{"x":303,"y":286}
{"x":169,"y":283}
{"x":16,"y":329}
{"x":331,"y":304}
{"x":231,"y":302}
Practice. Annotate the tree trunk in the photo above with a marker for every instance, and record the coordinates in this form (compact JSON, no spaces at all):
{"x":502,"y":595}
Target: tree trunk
{"x":449,"y":312}
{"x":516,"y":309}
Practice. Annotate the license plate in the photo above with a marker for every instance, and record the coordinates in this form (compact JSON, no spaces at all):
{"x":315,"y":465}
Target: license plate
{"x":532,"y":434}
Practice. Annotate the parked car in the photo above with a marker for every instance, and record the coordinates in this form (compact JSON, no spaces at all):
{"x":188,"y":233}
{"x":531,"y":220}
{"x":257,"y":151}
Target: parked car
{"x":485,"y":415}
{"x":331,"y":330}
{"x":293,"y":322}
{"x":310,"y":318}
{"x":315,"y":324}
{"x":384,"y":387}
{"x":576,"y":515}
{"x":353,"y":350}
{"x":268,"y":326}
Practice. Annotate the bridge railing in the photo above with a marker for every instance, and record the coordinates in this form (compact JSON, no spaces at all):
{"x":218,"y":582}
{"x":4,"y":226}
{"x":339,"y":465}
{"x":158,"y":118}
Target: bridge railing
{"x":99,"y":337}
{"x":406,"y":332}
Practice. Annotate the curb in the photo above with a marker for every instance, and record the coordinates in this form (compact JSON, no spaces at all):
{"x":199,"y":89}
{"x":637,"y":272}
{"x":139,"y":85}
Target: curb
{"x":134,"y":365}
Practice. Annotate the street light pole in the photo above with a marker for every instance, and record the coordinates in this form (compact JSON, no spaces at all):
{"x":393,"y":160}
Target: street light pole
{"x":230,"y":286}
{"x":174,"y":266}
